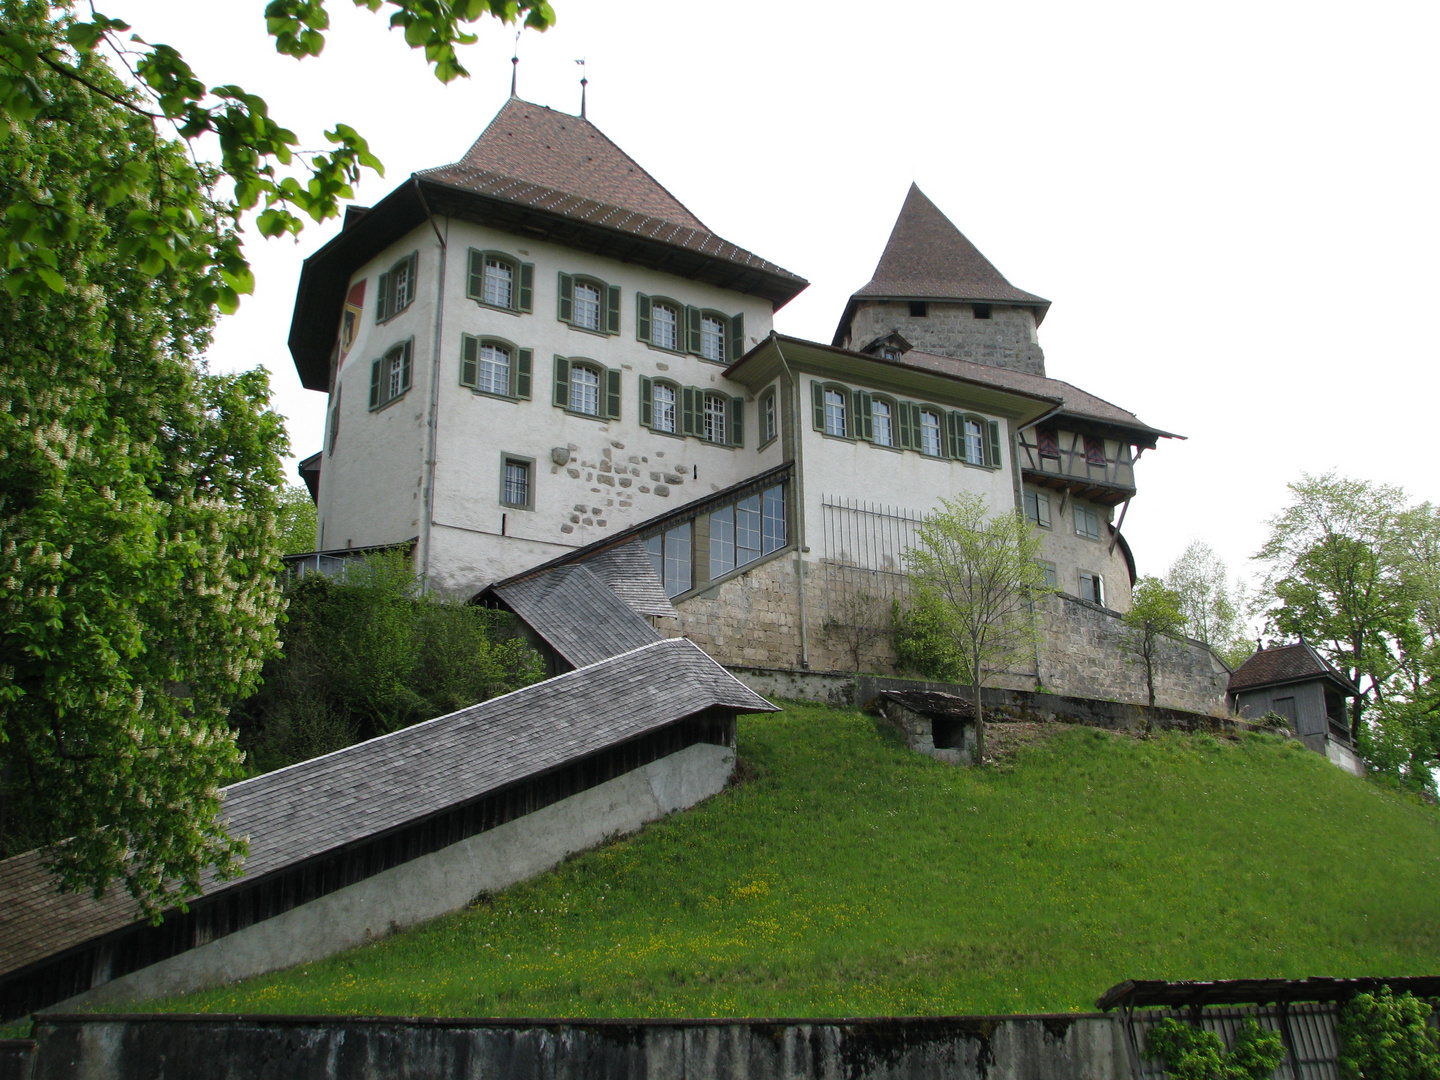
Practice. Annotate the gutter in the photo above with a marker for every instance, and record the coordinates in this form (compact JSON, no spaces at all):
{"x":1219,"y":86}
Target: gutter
{"x":433,"y":411}
{"x":797,"y":483}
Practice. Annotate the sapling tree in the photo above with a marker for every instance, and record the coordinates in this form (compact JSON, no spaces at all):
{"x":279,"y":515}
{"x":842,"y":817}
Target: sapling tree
{"x":974,"y":580}
{"x":1211,"y":606}
{"x":1154,"y":615}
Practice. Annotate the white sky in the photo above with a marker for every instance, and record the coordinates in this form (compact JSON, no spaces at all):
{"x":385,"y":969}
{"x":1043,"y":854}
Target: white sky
{"x":1232,"y":206}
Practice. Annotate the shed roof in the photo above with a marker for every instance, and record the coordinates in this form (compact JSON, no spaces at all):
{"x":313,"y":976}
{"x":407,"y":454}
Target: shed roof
{"x":629,"y":572}
{"x":928,"y":258}
{"x":317,"y":806}
{"x":577,"y":614}
{"x":1286,"y":664}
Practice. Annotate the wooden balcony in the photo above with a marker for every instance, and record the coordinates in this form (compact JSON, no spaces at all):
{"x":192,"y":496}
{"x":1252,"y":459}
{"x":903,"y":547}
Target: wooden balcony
{"x":1100,"y":470}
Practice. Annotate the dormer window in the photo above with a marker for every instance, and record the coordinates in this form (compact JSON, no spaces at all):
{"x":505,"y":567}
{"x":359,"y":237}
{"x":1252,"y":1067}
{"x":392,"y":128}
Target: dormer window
{"x":889,"y":352}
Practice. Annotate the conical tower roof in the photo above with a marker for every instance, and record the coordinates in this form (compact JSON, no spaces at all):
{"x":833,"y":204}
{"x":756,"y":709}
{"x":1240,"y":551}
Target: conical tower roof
{"x":928,"y":258}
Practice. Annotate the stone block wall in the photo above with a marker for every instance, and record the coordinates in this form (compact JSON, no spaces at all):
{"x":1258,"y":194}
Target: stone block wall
{"x":753,"y":620}
{"x":1007,"y":339}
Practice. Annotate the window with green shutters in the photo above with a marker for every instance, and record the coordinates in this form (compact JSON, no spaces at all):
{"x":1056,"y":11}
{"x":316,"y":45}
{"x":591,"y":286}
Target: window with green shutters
{"x":390,"y":375}
{"x":495,"y":367}
{"x":660,"y":321}
{"x":396,"y":288}
{"x":705,"y":414}
{"x":587,"y":303}
{"x":974,"y":439}
{"x":586,"y":388}
{"x":833,"y":408}
{"x":499,"y":280}
{"x":660,"y":405}
{"x":710,"y":335}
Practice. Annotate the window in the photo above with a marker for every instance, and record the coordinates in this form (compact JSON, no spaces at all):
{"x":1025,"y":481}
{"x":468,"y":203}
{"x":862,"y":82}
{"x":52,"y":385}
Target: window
{"x":982,"y":311}
{"x":1087,"y":523}
{"x":715,"y":410}
{"x":1092,"y":588}
{"x":1047,"y":441}
{"x":515,"y":482}
{"x":919,"y":309}
{"x":769,"y":422}
{"x":1094,"y":451}
{"x":889,"y":352}
{"x":882,"y":422}
{"x":585,"y":388}
{"x":670,"y":552}
{"x":974,"y":441}
{"x":589,"y":304}
{"x":1037,"y":508}
{"x":930,"y":442}
{"x":742,"y":532}
{"x":495,"y":367}
{"x":835,"y":418}
{"x":390,"y":376}
{"x":1047,"y":572}
{"x":396,"y":288}
{"x":500,"y":281}
{"x":664,"y":326}
{"x":712,"y":338}
{"x":663,"y":398}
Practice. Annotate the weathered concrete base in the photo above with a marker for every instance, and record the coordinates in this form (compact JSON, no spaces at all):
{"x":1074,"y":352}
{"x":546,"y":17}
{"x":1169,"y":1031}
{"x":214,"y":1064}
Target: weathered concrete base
{"x":1344,"y":757}
{"x":434,"y":884}
{"x":1087,"y":1046}
{"x":832,"y":687}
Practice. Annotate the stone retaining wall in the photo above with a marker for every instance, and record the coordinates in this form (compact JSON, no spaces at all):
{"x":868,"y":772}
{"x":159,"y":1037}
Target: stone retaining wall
{"x":341,"y":1048}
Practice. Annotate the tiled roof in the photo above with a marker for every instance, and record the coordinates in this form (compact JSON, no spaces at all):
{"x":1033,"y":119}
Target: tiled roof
{"x":1284,"y":664}
{"x":568,"y":153}
{"x":319,"y":805}
{"x":577,"y":614}
{"x":927,"y":257}
{"x":1077,"y":402}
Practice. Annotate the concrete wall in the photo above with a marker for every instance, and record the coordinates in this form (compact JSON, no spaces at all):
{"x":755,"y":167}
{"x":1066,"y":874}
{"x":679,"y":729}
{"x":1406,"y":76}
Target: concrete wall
{"x":434,"y":884}
{"x":341,"y":1048}
{"x":1007,"y":339}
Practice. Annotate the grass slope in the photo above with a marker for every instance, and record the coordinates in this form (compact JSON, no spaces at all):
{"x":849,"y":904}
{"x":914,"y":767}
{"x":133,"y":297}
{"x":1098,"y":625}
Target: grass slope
{"x":853,"y":877}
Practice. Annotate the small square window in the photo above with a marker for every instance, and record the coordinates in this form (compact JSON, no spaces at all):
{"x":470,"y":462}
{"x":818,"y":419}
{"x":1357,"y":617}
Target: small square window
{"x":1047,"y":440}
{"x":516,"y":487}
{"x":982,"y":311}
{"x":919,"y":309}
{"x":1094,"y":451}
{"x":1047,"y":571}
{"x":1092,"y":588}
{"x":1037,"y":509}
{"x":1087,"y":523}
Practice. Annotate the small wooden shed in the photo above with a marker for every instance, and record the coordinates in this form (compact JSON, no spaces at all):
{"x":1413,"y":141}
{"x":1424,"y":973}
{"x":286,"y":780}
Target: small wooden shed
{"x":1302,"y":686}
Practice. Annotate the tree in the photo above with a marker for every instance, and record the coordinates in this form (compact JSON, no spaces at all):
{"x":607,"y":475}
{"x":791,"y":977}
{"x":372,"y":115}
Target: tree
{"x":137,"y":518}
{"x":1211,"y":610}
{"x":1331,"y":575}
{"x":295,"y":526}
{"x":39,"y":54}
{"x":1155,"y":614}
{"x":974,"y":578}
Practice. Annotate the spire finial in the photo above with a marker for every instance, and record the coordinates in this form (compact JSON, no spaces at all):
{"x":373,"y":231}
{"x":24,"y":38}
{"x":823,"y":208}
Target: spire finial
{"x":515,"y":64}
{"x":584,"y":82}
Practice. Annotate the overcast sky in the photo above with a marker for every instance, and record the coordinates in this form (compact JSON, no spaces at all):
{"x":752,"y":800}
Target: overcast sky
{"x":1232,"y":206}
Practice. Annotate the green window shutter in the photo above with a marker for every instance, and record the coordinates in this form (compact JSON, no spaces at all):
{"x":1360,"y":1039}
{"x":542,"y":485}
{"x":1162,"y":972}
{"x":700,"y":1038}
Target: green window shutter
{"x":562,"y":382}
{"x":405,"y":366}
{"x":955,"y":427}
{"x":737,"y":421}
{"x":612,"y":310}
{"x":864,"y":410}
{"x":382,"y":287}
{"x":469,"y":360}
{"x":527,"y":287}
{"x":690,"y":405}
{"x":567,"y":298}
{"x":411,"y":278}
{"x":994,"y":459}
{"x":692,"y":329}
{"x":904,"y":436}
{"x":475,"y":289}
{"x":642,"y":317}
{"x":817,"y":398}
{"x":375,"y":384}
{"x":612,"y":394}
{"x":647,"y":404}
{"x":737,"y":337}
{"x":524,"y":361}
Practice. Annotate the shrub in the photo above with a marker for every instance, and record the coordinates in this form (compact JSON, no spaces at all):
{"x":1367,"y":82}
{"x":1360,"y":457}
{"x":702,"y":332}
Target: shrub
{"x":1384,"y":1037}
{"x":368,"y":654}
{"x":1192,"y":1054}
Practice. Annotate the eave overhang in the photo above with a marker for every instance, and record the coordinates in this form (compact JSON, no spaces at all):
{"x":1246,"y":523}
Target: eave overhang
{"x":326,"y":274}
{"x":759,"y":367}
{"x":1093,"y":490}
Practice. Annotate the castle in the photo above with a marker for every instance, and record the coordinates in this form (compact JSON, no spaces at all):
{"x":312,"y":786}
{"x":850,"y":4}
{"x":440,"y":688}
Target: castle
{"x":537,"y":355}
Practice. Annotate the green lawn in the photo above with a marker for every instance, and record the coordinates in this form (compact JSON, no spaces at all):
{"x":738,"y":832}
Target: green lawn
{"x":850,"y":876}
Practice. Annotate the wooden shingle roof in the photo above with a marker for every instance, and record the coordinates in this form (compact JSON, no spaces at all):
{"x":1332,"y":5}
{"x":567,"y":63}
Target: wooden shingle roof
{"x":577,"y":614}
{"x":317,"y":806}
{"x":1286,"y":664}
